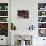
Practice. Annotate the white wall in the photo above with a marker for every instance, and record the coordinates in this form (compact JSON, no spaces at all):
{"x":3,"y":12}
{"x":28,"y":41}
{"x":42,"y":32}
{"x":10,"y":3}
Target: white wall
{"x":32,"y":6}
{"x":23,"y":24}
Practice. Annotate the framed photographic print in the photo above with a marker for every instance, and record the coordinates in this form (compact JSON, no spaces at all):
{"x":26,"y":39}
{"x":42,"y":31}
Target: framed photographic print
{"x":22,"y":14}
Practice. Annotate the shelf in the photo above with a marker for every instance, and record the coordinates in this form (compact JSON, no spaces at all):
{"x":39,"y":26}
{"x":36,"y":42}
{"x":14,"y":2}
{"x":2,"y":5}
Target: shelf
{"x":4,"y":19}
{"x":42,"y":16}
{"x":3,"y":22}
{"x":41,"y":10}
{"x":41,"y":28}
{"x":3,"y":16}
{"x":41,"y":22}
{"x":41,"y":19}
{"x":3,"y":10}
